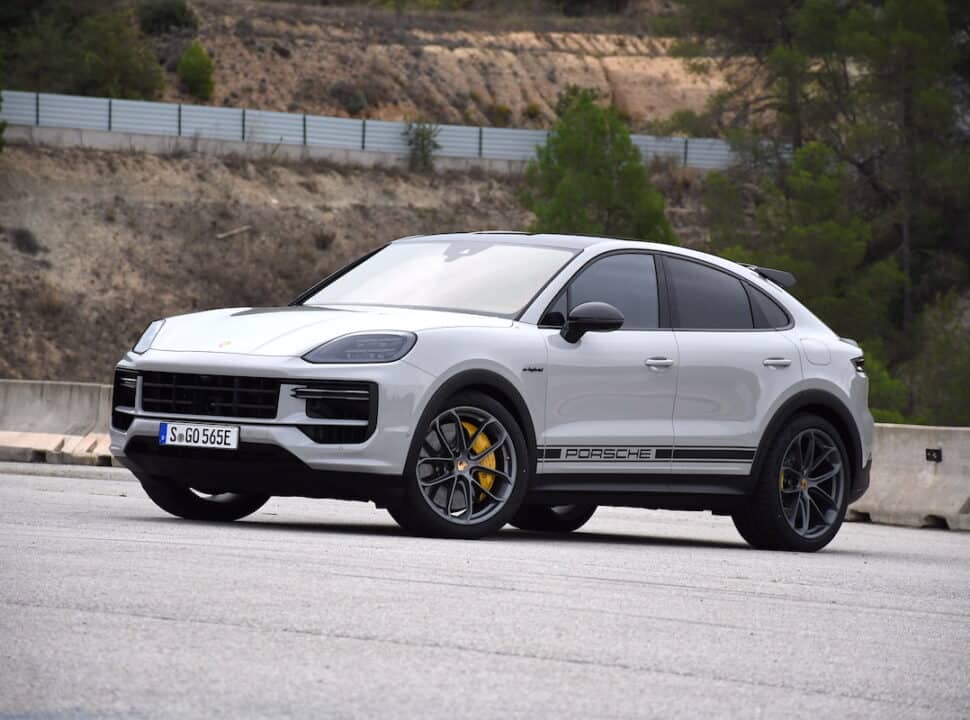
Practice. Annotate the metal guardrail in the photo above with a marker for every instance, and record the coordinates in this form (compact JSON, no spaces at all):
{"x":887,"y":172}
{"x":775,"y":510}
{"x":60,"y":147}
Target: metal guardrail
{"x":242,"y":125}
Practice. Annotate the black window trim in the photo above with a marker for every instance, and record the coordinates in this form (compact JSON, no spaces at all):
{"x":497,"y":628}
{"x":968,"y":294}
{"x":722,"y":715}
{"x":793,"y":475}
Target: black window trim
{"x":746,"y":285}
{"x":663,"y":315}
{"x":757,"y":312}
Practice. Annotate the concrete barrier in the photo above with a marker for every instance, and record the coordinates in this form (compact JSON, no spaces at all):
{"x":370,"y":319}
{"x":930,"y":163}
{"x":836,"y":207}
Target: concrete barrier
{"x":910,"y":488}
{"x":62,"y":422}
{"x":57,"y":422}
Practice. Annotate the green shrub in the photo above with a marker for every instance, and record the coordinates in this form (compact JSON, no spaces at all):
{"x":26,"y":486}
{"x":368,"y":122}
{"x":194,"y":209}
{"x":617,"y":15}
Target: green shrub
{"x":195,"y":71}
{"x":939,"y":374}
{"x":113,"y":59}
{"x":532,"y":111}
{"x":352,"y":99}
{"x":499,"y":115}
{"x":156,"y":17}
{"x":685,"y":123}
{"x":589,"y":178}
{"x":421,"y":138}
{"x":100,"y":54}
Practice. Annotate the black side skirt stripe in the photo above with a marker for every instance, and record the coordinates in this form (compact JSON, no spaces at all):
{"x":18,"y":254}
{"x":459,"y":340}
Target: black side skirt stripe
{"x":644,"y":454}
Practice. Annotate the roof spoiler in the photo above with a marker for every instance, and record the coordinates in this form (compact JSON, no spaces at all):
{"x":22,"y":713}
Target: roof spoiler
{"x":779,"y":277}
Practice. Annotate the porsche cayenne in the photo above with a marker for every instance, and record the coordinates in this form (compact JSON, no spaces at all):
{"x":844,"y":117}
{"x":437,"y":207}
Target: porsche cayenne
{"x":469,"y":381}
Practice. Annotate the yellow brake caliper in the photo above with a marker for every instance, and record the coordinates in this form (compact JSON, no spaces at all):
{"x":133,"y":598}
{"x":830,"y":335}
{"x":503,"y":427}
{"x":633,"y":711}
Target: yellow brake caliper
{"x":480,"y":445}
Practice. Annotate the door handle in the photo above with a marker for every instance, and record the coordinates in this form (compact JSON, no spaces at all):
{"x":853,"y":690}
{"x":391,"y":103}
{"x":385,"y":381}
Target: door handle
{"x":658,"y":362}
{"x":777,"y":362}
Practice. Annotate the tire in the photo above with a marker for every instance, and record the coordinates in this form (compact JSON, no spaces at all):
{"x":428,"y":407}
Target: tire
{"x":401,"y":516}
{"x":791,"y":509}
{"x":469,"y":446}
{"x":552,"y":518}
{"x":185,"y":503}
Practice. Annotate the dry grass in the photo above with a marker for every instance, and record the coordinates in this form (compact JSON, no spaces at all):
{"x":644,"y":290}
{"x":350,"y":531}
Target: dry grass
{"x":133,"y":237}
{"x":448,"y":67}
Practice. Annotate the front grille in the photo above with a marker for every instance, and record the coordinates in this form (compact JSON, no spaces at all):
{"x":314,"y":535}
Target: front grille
{"x":123,"y":396}
{"x":351,"y":405}
{"x":220,"y":395}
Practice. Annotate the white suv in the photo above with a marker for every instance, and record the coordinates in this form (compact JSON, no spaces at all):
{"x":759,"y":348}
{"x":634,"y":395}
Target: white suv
{"x":466,"y":381}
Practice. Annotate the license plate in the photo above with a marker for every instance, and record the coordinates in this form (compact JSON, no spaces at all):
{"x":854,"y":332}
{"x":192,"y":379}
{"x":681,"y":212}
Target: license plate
{"x":220,"y":437}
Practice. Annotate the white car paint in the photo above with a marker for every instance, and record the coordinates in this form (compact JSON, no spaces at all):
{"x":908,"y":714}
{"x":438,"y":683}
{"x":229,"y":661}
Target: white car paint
{"x":648,"y":395}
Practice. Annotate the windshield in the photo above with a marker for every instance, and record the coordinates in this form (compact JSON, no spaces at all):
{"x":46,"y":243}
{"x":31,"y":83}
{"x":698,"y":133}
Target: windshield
{"x":468,"y":276}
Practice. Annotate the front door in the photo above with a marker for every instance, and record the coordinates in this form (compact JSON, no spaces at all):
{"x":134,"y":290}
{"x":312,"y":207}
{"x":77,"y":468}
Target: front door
{"x":610,"y":396}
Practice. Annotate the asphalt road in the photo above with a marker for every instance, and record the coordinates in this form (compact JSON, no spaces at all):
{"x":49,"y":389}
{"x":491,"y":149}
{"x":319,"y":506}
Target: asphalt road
{"x":108,"y":608}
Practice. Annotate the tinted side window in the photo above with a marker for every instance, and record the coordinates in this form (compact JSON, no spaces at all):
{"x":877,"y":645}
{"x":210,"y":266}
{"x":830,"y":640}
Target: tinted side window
{"x":707,"y":299}
{"x":767,"y":312}
{"x":627,"y":281}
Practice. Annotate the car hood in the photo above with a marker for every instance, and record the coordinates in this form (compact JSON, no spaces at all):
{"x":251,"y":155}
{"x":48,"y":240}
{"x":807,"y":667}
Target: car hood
{"x":295,"y":330}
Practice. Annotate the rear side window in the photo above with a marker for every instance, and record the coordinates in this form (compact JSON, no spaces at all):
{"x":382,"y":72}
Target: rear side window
{"x":627,"y":281}
{"x":707,"y":299}
{"x":767,"y":313}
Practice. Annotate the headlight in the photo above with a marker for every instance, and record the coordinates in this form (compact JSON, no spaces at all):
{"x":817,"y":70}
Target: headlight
{"x":382,"y":347}
{"x":148,"y":337}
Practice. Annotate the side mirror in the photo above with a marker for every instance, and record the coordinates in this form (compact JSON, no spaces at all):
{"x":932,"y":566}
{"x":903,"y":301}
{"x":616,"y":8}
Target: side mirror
{"x":591,"y":317}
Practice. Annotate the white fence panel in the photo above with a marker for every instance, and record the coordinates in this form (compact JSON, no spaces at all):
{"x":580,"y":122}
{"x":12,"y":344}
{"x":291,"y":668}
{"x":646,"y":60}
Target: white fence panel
{"x":333,"y":132}
{"x":708,"y":154}
{"x":274,"y":127}
{"x":652,"y":147}
{"x":211,"y":122}
{"x":146,"y":118}
{"x":19,"y":108}
{"x":457,"y":141}
{"x":508,"y":144}
{"x":73,"y":111}
{"x":384,"y":136}
{"x":133,"y":116}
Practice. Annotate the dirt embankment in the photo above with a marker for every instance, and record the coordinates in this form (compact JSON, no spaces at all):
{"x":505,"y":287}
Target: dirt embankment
{"x":94,"y":245}
{"x":451,"y":68}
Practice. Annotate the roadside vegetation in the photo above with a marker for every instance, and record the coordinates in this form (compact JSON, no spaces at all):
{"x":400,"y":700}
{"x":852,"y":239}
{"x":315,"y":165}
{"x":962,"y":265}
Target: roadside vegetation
{"x":571,"y":8}
{"x":590,"y":178}
{"x":93,"y":47}
{"x":849,"y":120}
{"x":195,"y":71}
{"x":421,"y":137}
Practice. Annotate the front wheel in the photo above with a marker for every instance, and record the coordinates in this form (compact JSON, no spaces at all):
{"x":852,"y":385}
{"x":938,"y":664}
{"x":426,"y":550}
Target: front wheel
{"x":552,"y":518}
{"x":802,"y":495}
{"x":192,"y":505}
{"x":467,"y":470}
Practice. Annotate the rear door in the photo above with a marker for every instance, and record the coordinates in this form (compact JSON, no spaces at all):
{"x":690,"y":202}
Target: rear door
{"x":610,"y":396}
{"x":735,"y":361}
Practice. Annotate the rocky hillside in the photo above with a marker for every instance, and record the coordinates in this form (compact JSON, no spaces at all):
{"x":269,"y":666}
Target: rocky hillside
{"x":94,"y":245}
{"x":470,"y":68}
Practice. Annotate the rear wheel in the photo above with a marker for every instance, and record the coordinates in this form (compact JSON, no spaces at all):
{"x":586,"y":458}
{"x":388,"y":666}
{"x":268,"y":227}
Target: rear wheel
{"x":552,"y":518}
{"x":802,"y":494}
{"x":467,"y":470}
{"x":193,"y":505}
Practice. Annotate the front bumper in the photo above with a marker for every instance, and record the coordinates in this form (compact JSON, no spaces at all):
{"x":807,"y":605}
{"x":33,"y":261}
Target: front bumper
{"x":278,"y":442}
{"x":256,"y":468}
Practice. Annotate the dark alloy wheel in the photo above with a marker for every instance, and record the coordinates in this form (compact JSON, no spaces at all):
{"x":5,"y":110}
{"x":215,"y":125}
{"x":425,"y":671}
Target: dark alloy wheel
{"x":552,"y":518}
{"x":467,"y":470}
{"x":191,"y":504}
{"x":801,"y":497}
